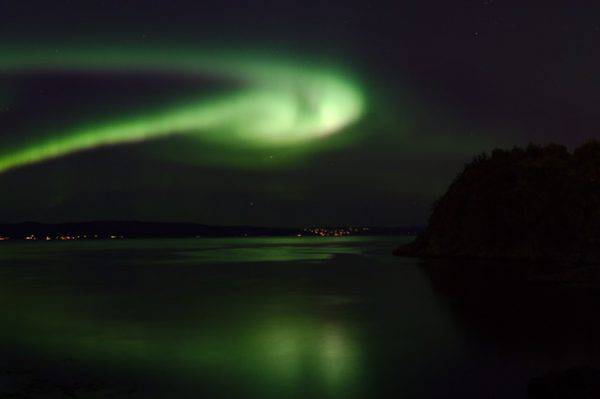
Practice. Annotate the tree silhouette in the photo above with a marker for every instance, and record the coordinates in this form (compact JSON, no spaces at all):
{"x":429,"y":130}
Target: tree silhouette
{"x":540,"y":202}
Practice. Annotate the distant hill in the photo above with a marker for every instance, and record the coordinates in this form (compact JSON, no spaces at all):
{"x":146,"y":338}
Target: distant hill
{"x":537,"y":203}
{"x":138,"y":229}
{"x":133,"y":229}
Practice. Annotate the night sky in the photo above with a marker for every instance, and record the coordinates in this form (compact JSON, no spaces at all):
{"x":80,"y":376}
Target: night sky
{"x":277,"y":112}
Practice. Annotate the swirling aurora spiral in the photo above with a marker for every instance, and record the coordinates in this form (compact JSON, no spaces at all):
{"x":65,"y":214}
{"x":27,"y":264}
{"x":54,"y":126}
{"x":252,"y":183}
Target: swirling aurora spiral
{"x":279,"y":103}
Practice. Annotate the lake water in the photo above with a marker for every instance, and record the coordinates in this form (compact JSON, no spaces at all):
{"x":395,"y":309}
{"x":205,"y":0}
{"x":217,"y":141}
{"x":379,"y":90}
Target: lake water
{"x":278,"y":318}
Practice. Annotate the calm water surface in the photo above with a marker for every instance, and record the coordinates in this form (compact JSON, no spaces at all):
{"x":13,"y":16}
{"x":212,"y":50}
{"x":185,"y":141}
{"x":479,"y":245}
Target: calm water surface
{"x":278,"y":318}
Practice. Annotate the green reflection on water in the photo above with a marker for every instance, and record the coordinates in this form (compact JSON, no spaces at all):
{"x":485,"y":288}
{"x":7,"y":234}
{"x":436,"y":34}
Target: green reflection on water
{"x":203,"y":250}
{"x":273,"y":343}
{"x":275,"y":351}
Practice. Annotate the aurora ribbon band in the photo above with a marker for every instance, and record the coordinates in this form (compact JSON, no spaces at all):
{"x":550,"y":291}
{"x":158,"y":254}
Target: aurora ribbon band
{"x":278,"y":104}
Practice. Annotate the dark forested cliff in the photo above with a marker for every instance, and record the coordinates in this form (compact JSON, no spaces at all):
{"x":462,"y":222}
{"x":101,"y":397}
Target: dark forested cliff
{"x":537,"y":203}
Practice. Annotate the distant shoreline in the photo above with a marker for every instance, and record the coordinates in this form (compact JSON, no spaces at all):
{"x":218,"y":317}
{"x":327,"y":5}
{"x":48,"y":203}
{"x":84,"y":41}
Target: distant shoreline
{"x":34,"y":231}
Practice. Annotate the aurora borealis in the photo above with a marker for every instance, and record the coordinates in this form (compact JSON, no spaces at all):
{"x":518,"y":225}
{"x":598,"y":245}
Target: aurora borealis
{"x":229,"y":113}
{"x":201,"y":199}
{"x":279,"y":105}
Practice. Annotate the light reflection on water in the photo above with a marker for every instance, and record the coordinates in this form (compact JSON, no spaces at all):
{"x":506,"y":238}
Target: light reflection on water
{"x":193,"y":307}
{"x":279,"y":318}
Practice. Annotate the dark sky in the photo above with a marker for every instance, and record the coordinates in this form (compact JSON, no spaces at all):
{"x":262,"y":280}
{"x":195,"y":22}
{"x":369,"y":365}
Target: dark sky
{"x":443,"y":80}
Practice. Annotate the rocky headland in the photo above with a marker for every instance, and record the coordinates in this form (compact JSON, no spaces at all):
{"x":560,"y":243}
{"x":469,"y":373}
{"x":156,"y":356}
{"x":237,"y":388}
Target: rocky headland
{"x":540,"y":203}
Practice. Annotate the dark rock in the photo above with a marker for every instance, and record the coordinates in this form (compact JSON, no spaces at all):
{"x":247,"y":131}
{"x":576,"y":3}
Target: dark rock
{"x":538,"y":203}
{"x":575,"y":383}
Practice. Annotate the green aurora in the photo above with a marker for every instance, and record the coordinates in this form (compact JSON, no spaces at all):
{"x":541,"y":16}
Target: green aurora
{"x":279,"y":104}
